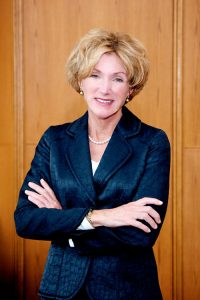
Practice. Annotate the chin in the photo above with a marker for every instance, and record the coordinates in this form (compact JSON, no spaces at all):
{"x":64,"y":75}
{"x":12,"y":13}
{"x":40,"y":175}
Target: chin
{"x":108,"y":114}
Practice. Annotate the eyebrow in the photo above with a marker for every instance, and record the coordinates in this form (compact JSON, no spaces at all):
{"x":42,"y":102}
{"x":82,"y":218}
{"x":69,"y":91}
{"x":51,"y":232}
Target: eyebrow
{"x":116,"y":73}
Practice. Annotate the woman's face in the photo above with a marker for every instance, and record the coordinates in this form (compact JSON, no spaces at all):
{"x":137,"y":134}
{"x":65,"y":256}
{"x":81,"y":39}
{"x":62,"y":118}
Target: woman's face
{"x":105,"y":91}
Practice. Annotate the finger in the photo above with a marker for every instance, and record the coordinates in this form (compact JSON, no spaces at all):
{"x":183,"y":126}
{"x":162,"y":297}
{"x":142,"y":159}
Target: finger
{"x":37,"y":202}
{"x":47,"y":187}
{"x":42,"y":201}
{"x":153,"y":213}
{"x":147,"y":209}
{"x":36,"y":187}
{"x":36,"y":196}
{"x":146,"y":217}
{"x":33,"y":194}
{"x":141,"y":226}
{"x":46,"y":202}
{"x":148,"y":201}
{"x":40,"y":190}
{"x":54,"y":201}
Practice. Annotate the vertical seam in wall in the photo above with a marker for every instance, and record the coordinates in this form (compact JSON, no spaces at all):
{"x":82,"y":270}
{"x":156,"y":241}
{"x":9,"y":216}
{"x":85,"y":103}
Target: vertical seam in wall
{"x":177,"y":150}
{"x":19,"y":133}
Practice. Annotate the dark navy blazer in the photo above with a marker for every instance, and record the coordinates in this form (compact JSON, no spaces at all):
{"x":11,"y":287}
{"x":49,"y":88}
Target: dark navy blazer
{"x":113,"y":263}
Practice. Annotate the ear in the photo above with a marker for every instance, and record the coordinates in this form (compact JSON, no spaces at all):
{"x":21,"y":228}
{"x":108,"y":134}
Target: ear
{"x":131,"y":90}
{"x":80,"y":84}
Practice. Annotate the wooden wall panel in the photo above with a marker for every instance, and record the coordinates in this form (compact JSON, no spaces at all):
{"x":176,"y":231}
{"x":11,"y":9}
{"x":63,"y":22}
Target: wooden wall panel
{"x":47,"y":48}
{"x":7,"y":154}
{"x":191,"y":149}
{"x":176,"y":174}
{"x":191,"y":224}
{"x":191,"y":73}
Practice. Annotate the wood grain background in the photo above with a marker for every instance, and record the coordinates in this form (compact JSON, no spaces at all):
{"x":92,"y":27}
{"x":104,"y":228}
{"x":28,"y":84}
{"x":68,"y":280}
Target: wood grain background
{"x":36,"y":37}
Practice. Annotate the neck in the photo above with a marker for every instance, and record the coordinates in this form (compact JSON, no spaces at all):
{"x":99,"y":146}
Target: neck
{"x":100,"y":129}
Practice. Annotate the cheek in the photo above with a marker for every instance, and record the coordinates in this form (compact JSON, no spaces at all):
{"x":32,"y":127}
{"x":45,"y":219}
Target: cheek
{"x":88,"y":87}
{"x":85,"y":84}
{"x":89,"y":92}
{"x":122,"y":92}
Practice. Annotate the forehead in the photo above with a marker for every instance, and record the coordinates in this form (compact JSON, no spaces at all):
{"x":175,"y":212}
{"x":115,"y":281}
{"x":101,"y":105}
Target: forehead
{"x":110,"y":62}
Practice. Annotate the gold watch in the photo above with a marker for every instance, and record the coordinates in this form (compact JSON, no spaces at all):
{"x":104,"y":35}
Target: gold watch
{"x":88,"y":217}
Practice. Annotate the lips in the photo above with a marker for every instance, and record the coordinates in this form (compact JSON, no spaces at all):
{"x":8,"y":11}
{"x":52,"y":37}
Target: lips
{"x":104,"y":101}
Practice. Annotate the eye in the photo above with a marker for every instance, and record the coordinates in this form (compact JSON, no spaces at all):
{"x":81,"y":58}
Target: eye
{"x":118,"y":79}
{"x":94,"y":75}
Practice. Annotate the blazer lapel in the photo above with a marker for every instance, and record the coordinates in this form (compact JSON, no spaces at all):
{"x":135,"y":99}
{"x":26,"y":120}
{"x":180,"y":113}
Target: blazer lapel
{"x":116,"y":154}
{"x":78,"y":157}
{"x":118,"y":150}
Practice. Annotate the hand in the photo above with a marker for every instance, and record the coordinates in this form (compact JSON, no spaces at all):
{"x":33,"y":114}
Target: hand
{"x":130,"y":214}
{"x":42,"y":196}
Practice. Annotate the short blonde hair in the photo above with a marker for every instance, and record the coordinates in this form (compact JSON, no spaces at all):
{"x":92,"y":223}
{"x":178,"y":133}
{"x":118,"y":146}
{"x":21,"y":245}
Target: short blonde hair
{"x":94,"y":44}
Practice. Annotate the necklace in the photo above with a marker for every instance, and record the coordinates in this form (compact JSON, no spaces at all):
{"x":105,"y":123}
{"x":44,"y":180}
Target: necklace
{"x":99,"y":142}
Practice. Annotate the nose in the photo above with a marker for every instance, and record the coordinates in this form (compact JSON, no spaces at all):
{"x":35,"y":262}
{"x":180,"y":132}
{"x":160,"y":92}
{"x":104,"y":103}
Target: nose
{"x":105,"y":86}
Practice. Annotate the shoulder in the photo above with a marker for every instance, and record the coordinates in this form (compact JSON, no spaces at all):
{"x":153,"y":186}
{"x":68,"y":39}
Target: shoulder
{"x":133,"y":128}
{"x":57,"y":132}
{"x":54,"y":132}
{"x":153,"y":135}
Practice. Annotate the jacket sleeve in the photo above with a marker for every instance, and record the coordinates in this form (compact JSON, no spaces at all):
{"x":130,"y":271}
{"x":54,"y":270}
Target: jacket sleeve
{"x":153,"y":183}
{"x":44,"y":223}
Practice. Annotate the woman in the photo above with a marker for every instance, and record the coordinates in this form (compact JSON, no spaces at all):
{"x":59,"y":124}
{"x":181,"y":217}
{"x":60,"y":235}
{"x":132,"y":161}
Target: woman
{"x":98,"y":187}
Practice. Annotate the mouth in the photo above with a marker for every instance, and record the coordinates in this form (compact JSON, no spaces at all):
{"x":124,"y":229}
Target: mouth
{"x":104,"y":101}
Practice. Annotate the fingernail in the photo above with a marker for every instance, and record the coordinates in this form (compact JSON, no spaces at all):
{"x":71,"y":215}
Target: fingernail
{"x":148,"y":230}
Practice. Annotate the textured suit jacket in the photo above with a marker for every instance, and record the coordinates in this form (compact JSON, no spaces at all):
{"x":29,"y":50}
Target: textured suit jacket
{"x":113,"y":263}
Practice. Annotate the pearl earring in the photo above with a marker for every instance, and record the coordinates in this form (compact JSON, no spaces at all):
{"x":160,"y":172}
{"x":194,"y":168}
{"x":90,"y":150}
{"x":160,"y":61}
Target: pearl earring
{"x":81,"y":92}
{"x":127,"y":99}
